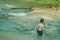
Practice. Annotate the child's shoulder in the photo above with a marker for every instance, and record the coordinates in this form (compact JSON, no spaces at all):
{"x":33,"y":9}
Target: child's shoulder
{"x":40,"y":24}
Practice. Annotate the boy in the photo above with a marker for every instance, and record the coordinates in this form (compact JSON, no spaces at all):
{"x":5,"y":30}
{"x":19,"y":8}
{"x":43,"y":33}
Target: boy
{"x":40,"y":27}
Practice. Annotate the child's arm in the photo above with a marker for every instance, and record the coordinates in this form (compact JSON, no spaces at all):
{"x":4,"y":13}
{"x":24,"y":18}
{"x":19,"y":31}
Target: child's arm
{"x":45,"y":25}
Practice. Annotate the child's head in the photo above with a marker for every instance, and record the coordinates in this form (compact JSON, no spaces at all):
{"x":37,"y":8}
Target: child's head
{"x":41,"y":20}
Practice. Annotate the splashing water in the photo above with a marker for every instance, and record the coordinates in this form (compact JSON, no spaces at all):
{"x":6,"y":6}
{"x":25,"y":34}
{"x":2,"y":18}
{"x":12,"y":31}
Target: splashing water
{"x":47,"y":17}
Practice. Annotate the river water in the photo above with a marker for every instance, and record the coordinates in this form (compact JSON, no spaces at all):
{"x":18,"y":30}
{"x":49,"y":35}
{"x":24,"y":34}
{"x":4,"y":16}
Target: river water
{"x":23,"y":28}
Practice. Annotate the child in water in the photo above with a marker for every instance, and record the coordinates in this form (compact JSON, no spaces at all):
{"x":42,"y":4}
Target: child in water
{"x":40,"y":27}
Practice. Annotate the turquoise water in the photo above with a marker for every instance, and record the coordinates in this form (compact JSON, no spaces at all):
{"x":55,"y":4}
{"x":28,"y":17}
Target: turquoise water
{"x":23,"y":28}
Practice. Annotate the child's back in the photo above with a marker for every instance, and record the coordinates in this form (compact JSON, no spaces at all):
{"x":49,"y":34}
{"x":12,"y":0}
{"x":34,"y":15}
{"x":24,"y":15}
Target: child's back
{"x":40,"y":27}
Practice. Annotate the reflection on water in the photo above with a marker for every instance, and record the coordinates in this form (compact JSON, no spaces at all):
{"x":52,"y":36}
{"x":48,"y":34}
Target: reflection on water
{"x":22,"y":28}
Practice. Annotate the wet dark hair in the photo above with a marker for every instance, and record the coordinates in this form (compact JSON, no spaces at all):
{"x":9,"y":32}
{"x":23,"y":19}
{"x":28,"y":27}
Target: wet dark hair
{"x":41,"y":20}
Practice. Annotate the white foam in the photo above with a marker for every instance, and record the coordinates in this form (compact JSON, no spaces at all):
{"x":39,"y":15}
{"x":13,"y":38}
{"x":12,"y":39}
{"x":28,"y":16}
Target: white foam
{"x":18,"y":14}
